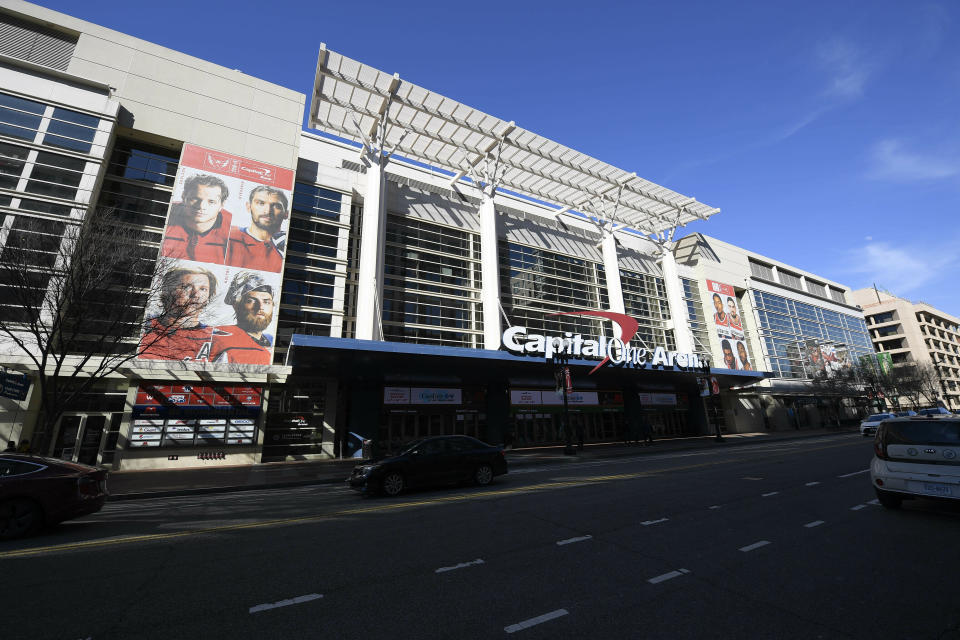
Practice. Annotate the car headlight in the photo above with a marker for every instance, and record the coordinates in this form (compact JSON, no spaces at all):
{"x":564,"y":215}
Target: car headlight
{"x":367,"y":469}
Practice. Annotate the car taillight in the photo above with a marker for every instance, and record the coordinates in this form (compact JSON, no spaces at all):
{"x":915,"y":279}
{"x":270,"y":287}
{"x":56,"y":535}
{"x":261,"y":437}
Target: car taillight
{"x":88,"y":486}
{"x":879,"y":448}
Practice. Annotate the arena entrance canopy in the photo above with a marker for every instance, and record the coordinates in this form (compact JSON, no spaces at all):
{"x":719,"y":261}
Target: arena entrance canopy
{"x":357,"y":102}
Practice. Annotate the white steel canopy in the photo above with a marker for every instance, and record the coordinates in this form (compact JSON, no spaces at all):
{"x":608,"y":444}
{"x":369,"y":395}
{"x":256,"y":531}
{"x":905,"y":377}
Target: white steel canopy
{"x":351,"y":100}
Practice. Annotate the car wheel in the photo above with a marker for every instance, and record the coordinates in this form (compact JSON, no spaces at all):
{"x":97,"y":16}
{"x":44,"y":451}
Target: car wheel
{"x":392,"y":484}
{"x":889,"y":500}
{"x":19,"y":518}
{"x":483,"y":475}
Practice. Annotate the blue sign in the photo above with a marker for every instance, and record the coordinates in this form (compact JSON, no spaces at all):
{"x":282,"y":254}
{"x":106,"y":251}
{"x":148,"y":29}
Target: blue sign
{"x":14,"y":385}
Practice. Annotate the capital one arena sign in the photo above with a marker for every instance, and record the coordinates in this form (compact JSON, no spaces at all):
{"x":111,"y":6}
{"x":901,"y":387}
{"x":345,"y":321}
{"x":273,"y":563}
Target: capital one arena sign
{"x":616,"y":351}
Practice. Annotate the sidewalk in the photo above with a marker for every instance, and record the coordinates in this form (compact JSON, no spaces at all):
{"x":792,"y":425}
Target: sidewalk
{"x":132,"y":485}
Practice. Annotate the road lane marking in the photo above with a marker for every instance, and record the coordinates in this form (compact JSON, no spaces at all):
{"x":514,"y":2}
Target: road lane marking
{"x":751,"y":478}
{"x":815,"y":523}
{"x":668,"y":576}
{"x":647,"y":523}
{"x":285,"y":603}
{"x":855,"y":473}
{"x":560,"y":543}
{"x":811,"y":484}
{"x":526,"y":624}
{"x":767,"y":495}
{"x":462,"y":565}
{"x":874,"y":501}
{"x":716,"y":506}
{"x":858,"y":507}
{"x":380,"y":508}
{"x":755,"y":545}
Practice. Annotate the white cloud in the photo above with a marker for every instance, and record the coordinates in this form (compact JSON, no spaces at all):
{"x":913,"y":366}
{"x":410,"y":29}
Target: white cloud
{"x":890,"y":161}
{"x":902,"y":269}
{"x":848,"y":70}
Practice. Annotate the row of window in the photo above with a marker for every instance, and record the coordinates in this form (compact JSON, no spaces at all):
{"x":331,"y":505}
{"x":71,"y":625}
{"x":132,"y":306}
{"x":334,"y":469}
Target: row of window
{"x":795,"y":281}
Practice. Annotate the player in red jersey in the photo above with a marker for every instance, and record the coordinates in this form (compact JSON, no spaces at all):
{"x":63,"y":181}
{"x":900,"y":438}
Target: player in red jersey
{"x":177,"y":333}
{"x":252,"y":299}
{"x":199,"y":227}
{"x":260,"y":246}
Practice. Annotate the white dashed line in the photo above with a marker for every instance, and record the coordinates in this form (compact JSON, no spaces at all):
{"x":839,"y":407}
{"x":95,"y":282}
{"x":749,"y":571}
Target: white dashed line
{"x":520,"y":626}
{"x":855,"y":473}
{"x":858,"y":507}
{"x":815,"y":523}
{"x":811,"y":484}
{"x":716,"y":506}
{"x":767,"y":495}
{"x":462,"y":565}
{"x":560,"y":543}
{"x":668,"y":576}
{"x":647,"y":523}
{"x":755,"y":545}
{"x":751,"y":478}
{"x":286,"y":603}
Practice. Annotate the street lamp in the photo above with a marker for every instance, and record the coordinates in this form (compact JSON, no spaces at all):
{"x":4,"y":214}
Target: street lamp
{"x":561,"y":376}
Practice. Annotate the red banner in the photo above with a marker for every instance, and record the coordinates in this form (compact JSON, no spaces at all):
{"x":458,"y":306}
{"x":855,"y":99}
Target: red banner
{"x":231,"y":165}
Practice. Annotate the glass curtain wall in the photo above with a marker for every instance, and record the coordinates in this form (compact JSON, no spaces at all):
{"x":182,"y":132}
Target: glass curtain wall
{"x":785,"y":325}
{"x":314,"y":269}
{"x":698,"y":323}
{"x":535,"y":283}
{"x":645,"y":299}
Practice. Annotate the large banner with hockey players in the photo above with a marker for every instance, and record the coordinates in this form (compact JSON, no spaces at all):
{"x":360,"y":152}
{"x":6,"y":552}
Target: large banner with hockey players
{"x":223,"y":249}
{"x":729,"y":327}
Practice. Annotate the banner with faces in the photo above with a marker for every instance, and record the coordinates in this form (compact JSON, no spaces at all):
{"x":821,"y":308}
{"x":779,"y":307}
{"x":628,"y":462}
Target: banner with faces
{"x":223,"y":251}
{"x":728,"y":324}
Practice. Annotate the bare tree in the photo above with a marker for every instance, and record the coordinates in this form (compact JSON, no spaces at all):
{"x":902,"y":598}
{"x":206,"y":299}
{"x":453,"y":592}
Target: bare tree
{"x":928,"y":381}
{"x":877,"y":382}
{"x":906,"y":381}
{"x":834,"y":387}
{"x":72,"y":301}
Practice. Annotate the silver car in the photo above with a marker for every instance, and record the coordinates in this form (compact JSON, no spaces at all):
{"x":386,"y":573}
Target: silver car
{"x":869,"y":425}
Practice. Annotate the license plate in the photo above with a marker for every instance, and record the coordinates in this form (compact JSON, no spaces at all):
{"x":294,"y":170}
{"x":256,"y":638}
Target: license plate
{"x":937,"y":489}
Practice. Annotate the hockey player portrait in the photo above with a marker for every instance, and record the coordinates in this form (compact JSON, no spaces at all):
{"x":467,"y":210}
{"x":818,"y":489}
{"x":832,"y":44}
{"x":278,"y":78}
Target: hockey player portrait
{"x":245,"y":342}
{"x":260,"y":245}
{"x":177,"y":333}
{"x":199,"y":227}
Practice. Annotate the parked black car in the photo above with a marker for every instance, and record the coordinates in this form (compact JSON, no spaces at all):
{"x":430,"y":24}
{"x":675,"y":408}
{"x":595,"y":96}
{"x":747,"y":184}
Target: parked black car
{"x":37,"y":491}
{"x":431,"y":461}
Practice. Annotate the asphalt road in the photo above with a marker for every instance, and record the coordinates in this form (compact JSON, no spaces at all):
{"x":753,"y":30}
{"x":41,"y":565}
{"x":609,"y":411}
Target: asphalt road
{"x":780,"y":540}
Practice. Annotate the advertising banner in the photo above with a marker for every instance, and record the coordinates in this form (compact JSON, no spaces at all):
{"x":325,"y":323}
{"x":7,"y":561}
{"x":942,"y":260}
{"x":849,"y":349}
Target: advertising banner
{"x":729,"y":327}
{"x":225,"y":242}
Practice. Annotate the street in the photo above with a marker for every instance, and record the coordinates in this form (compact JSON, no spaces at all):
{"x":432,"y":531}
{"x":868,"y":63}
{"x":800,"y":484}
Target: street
{"x":770,"y":540}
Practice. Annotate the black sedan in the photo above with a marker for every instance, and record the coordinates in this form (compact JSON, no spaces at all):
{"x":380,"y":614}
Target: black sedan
{"x":431,"y":461}
{"x":38,"y":491}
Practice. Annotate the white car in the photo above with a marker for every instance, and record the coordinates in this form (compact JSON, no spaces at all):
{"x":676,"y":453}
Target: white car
{"x":916,"y":457}
{"x":869,"y":425}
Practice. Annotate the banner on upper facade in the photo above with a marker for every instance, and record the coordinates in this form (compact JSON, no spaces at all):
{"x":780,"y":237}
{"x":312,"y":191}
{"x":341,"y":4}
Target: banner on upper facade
{"x":224,"y":246}
{"x":728,"y":325}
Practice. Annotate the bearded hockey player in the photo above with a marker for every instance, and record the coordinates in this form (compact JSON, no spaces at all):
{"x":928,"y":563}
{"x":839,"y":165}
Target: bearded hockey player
{"x":245,"y":342}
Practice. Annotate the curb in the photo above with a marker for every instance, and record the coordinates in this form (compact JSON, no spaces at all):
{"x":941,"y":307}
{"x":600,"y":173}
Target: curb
{"x":621,"y":452}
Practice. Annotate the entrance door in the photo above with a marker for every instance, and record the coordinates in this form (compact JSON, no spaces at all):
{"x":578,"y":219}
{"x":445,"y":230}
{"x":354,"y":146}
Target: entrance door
{"x":89,"y":442}
{"x":67,"y":435}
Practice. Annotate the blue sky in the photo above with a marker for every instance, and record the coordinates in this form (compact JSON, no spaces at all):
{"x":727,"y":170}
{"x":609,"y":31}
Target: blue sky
{"x":827,"y":132}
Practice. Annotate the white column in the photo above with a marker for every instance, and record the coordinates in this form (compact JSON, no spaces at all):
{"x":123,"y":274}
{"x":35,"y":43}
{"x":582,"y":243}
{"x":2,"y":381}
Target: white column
{"x":489,"y":272}
{"x":611,"y":270}
{"x":370,"y":271}
{"x":678,"y":309}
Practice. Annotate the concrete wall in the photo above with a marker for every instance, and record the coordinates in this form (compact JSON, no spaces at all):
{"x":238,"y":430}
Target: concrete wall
{"x":173,"y":95}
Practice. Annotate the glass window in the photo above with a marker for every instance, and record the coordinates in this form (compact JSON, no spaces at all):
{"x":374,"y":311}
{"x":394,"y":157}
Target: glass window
{"x":789,"y":279}
{"x":17,"y":467}
{"x":20,"y":118}
{"x":71,"y":130}
{"x":12,"y":160}
{"x":56,"y":175}
{"x":759,"y":270}
{"x":816,"y":289}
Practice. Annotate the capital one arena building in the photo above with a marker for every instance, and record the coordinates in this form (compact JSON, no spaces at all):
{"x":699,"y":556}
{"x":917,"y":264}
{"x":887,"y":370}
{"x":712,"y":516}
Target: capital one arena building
{"x":437,"y":266}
